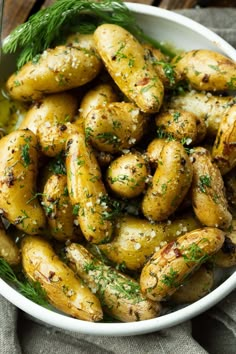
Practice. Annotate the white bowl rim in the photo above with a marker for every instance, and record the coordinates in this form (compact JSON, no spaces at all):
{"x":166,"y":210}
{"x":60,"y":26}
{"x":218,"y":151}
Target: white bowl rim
{"x":135,"y":328}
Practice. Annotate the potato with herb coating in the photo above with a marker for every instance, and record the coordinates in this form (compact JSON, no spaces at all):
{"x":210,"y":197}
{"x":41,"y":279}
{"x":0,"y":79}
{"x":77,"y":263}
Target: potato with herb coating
{"x":115,"y":126}
{"x":195,"y":287}
{"x":206,"y":70}
{"x":124,"y":58}
{"x":208,"y":195}
{"x":86,"y":190}
{"x":166,"y":270}
{"x":57,"y":70}
{"x":135,"y":239}
{"x":127,"y":174}
{"x":99,"y":95}
{"x":206,"y":106}
{"x":168,"y":190}
{"x":181,"y":125}
{"x":58,"y":209}
{"x":19,"y":168}
{"x":119,"y":293}
{"x":64,"y":290}
{"x":224,"y":148}
{"x":8,"y":249}
{"x":154,"y":149}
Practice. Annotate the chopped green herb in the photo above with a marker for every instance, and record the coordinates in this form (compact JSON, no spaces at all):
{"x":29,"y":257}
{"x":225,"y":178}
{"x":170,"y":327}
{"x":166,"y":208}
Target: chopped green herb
{"x":204,"y":181}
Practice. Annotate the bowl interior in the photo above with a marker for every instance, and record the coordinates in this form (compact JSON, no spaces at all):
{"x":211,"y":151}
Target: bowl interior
{"x":183,"y":34}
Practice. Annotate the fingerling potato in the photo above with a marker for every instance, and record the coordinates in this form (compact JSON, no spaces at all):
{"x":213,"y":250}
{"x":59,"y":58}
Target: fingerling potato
{"x":124,"y":58}
{"x":64,"y":290}
{"x":8,"y":249}
{"x":182,"y":125}
{"x":135,"y":239}
{"x":168,"y":268}
{"x":86,"y":190}
{"x":127,"y":174}
{"x":206,"y":70}
{"x":99,"y":95}
{"x":154,"y":150}
{"x":19,"y":168}
{"x":57,"y":70}
{"x":224,"y":148}
{"x":195,"y":287}
{"x":206,"y":106}
{"x":208,"y":194}
{"x":58,"y":209}
{"x":170,"y":183}
{"x":119,"y":294}
{"x":115,"y":126}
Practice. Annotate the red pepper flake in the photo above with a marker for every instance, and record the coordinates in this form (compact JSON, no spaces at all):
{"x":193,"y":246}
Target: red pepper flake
{"x":168,"y":247}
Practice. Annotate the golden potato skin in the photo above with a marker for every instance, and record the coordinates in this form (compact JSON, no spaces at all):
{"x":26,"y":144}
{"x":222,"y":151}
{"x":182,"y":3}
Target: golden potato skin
{"x":19,"y":168}
{"x":124,"y":58}
{"x":154,"y":149}
{"x":86,"y":190}
{"x":224,"y":149}
{"x":206,"y":106}
{"x":135,"y":239}
{"x":53,"y":139}
{"x":8,"y":249}
{"x":57,"y":70}
{"x":166,"y":270}
{"x":182,"y":125}
{"x":115,"y":126}
{"x":168,"y":190}
{"x":50,"y":110}
{"x":127,"y":174}
{"x":64,"y":290}
{"x":119,"y":293}
{"x":196,"y":286}
{"x":206,"y":70}
{"x":99,"y":95}
{"x":58,"y":208}
{"x":208,"y":195}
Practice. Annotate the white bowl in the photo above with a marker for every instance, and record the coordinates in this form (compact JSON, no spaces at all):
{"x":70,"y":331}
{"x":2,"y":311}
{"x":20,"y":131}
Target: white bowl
{"x":185,"y":34}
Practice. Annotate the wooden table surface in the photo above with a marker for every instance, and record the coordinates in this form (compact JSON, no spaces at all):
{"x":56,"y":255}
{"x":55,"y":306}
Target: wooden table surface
{"x":17,"y":11}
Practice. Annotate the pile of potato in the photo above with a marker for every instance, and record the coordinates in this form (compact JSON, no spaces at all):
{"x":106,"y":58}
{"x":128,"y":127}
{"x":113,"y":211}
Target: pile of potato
{"x":107,"y":108}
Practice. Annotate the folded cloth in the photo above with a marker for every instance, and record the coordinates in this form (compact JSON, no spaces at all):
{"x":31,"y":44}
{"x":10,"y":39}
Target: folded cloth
{"x":213,"y":332}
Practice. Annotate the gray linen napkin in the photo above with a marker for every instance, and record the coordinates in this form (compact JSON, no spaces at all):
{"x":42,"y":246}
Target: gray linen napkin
{"x":213,"y":332}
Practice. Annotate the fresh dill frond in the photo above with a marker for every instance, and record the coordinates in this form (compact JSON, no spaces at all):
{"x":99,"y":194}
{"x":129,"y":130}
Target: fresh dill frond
{"x":31,"y":290}
{"x":45,"y":27}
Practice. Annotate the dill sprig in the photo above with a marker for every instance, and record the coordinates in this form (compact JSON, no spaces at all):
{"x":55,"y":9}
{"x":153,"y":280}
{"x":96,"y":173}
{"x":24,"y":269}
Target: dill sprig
{"x":32,"y":291}
{"x":45,"y":27}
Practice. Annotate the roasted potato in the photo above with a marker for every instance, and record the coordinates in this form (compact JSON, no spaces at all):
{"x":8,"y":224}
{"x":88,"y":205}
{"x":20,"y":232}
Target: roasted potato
{"x":224,"y":148}
{"x":8,"y":249}
{"x":168,"y":190}
{"x":57,"y":70}
{"x":19,"y":168}
{"x":208,"y":194}
{"x":230,"y":186}
{"x":50,"y":110}
{"x":206,"y":106}
{"x":86,"y":190}
{"x":154,"y":149}
{"x":136,"y":239}
{"x":124,"y":58}
{"x":182,"y":125}
{"x":99,"y":95}
{"x":195,"y":287}
{"x":127,"y":174}
{"x":167,"y":269}
{"x":64,"y":290}
{"x":115,"y":126}
{"x":58,"y":209}
{"x":206,"y":70}
{"x":119,"y":294}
